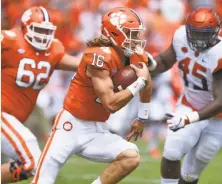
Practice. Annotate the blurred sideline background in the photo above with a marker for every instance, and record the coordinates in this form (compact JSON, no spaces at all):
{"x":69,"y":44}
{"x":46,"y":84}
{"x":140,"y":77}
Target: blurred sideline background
{"x":79,"y":20}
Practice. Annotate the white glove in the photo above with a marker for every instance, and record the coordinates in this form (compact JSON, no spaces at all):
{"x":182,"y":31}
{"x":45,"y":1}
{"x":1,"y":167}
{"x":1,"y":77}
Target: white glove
{"x":178,"y":122}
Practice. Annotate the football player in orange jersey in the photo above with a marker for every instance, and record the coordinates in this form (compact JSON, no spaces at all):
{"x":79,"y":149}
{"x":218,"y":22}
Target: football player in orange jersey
{"x":80,"y":126}
{"x":29,"y":56}
{"x":197,"y":123}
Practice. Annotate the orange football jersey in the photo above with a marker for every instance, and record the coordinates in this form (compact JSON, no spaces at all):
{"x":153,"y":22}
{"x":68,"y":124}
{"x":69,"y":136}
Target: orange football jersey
{"x":81,"y":99}
{"x":24,"y":72}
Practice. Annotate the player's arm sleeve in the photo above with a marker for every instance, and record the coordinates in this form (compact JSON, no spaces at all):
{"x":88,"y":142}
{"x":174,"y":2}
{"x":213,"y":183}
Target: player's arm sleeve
{"x":178,"y":37}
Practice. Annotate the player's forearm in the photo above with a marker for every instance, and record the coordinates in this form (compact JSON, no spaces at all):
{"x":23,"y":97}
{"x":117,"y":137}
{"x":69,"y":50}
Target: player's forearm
{"x":116,"y":101}
{"x":146,"y":93}
{"x":145,"y":97}
{"x":210,"y":110}
{"x":214,"y":107}
{"x":162,"y":65}
{"x":163,"y":62}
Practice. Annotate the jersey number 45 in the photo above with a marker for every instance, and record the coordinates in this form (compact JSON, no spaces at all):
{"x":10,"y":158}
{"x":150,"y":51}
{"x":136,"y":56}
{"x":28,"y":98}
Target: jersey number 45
{"x":196,"y":72}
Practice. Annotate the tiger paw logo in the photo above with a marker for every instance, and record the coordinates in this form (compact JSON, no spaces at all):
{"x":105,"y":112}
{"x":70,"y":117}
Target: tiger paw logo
{"x":106,"y":50}
{"x":26,"y":16}
{"x":118,"y":19}
{"x":67,"y":126}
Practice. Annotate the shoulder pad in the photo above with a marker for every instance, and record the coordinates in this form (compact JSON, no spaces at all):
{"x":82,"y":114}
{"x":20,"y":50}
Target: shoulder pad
{"x":179,"y":36}
{"x":8,"y":37}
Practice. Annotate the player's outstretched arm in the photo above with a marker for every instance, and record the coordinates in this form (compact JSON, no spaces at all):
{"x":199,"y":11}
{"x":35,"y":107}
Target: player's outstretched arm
{"x":69,"y":63}
{"x":164,"y":61}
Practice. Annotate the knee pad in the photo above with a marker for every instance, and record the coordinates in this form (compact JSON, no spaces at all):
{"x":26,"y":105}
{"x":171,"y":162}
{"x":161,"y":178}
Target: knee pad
{"x":18,"y":171}
{"x":172,"y":154}
{"x":207,"y":149}
{"x":176,"y":147}
{"x":173,"y":150}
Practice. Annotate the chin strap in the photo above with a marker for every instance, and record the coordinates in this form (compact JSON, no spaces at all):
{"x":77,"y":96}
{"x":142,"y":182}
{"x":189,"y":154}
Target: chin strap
{"x":128,"y":52}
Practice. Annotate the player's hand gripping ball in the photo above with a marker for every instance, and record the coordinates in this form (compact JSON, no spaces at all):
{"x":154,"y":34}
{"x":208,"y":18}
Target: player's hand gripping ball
{"x":125,"y":77}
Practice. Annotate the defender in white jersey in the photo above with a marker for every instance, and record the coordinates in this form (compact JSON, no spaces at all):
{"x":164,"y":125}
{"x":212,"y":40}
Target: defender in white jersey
{"x":198,"y":49}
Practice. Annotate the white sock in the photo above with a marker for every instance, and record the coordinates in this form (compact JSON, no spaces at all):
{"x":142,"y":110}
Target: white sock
{"x":97,"y":181}
{"x":169,"y":181}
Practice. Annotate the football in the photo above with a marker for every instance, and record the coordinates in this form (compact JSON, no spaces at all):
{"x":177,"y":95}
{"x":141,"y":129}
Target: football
{"x":124,"y":77}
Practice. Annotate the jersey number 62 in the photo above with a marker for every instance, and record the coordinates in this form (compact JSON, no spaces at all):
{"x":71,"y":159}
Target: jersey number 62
{"x":32,"y":79}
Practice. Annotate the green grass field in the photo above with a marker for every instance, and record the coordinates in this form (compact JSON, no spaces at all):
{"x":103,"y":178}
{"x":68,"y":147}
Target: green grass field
{"x":81,"y":171}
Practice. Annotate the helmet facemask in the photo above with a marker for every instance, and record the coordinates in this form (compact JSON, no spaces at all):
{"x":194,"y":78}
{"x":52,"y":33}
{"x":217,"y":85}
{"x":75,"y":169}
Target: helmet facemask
{"x":132,"y":42}
{"x":202,"y":39}
{"x":40,"y":35}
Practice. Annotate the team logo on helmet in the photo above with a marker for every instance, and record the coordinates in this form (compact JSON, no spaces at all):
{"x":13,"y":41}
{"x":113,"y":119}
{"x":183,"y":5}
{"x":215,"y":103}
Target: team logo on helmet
{"x":67,"y":126}
{"x":26,"y":16}
{"x":118,"y":18}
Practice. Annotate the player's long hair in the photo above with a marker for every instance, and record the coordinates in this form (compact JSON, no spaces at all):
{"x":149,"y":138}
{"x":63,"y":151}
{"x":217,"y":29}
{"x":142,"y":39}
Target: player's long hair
{"x":99,"y":42}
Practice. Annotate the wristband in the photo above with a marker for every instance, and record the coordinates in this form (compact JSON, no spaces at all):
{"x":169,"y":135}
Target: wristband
{"x":141,"y":120}
{"x":135,"y":87}
{"x":143,"y":110}
{"x":193,"y":117}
